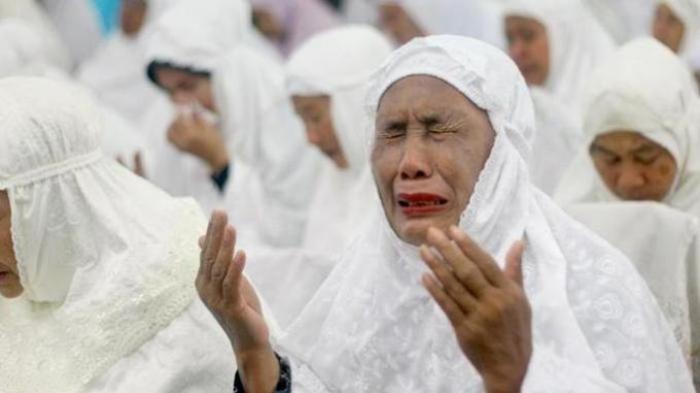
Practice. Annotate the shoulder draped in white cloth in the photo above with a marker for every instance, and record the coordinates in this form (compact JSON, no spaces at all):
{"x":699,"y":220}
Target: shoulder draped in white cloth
{"x":577,"y":44}
{"x":372,"y":327}
{"x":107,"y":261}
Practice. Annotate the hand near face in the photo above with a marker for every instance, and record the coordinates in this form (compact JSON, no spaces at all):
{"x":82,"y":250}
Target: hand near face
{"x":192,"y":134}
{"x":232,"y":300}
{"x":487,"y":307}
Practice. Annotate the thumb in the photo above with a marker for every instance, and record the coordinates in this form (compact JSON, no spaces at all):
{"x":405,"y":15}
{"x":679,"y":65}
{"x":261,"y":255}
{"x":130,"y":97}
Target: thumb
{"x":514,"y":263}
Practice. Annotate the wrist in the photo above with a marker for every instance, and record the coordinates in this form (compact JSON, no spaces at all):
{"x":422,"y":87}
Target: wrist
{"x":502,"y":385}
{"x":259,"y":370}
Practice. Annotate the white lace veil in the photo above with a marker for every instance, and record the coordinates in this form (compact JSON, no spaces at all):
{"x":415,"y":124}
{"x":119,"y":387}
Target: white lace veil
{"x":372,"y":327}
{"x":106,"y":259}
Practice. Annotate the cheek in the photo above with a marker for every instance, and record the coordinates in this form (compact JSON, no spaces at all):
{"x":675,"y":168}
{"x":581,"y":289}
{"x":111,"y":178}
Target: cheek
{"x":664,"y":173}
{"x":385,"y":163}
{"x":460,"y":171}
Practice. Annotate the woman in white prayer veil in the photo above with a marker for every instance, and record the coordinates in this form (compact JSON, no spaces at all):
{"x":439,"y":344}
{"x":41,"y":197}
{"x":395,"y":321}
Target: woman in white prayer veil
{"x":454,"y":118}
{"x":201,"y":53}
{"x":642,"y":135}
{"x":327,"y":79}
{"x":641,"y":144}
{"x":408,"y":19}
{"x":556,"y":44}
{"x":96,"y":265}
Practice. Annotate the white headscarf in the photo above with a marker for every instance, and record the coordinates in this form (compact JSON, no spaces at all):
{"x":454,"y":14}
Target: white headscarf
{"x":577,"y":44}
{"x":106,"y":259}
{"x":623,"y":19}
{"x":196,"y":34}
{"x":339,"y":63}
{"x":662,"y":242}
{"x":556,"y":141}
{"x":645,"y":88}
{"x":372,"y":327}
{"x":472,"y":18}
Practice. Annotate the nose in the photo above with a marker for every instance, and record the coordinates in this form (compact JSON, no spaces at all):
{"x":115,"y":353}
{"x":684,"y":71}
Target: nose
{"x":518,"y":51}
{"x":629,"y":179}
{"x":180,"y":97}
{"x":313,"y":136}
{"x":415,"y":162}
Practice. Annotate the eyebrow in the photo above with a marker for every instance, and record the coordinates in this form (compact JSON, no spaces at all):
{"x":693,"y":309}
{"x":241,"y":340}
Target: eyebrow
{"x":597,"y":148}
{"x":646,"y":148}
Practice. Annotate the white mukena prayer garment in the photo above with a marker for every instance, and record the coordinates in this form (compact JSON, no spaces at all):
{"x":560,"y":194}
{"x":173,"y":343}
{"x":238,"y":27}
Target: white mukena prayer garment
{"x":373,"y":328}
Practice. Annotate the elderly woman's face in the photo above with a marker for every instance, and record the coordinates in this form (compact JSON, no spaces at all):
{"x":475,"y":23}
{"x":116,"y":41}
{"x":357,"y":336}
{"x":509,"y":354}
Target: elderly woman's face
{"x":185,"y":88}
{"x":315,"y":111}
{"x":398,"y":23}
{"x":633,"y":167}
{"x":528,"y":46}
{"x":9,"y":277}
{"x":668,"y":28}
{"x":431,"y":144}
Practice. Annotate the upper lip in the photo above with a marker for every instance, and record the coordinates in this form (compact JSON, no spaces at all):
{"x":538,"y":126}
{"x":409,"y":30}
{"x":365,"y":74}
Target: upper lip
{"x":420,"y":198}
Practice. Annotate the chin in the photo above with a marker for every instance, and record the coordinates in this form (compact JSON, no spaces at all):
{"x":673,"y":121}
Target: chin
{"x":415,"y":231}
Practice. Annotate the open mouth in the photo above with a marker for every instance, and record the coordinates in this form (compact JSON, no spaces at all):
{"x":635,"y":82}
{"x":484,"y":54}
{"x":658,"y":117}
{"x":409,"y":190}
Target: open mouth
{"x":421,"y":204}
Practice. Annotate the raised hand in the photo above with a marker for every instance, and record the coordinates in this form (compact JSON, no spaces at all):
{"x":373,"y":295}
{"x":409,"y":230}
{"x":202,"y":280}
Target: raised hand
{"x":487,"y":307}
{"x":192,"y":134}
{"x":233,"y":302}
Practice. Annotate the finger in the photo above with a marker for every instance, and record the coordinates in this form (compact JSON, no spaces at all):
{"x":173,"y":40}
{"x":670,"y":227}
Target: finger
{"x":464,"y":268}
{"x":448,"y":306}
{"x":483,"y":261}
{"x":215,"y":237}
{"x":448,"y":281}
{"x":514,"y":263}
{"x":203,"y":245}
{"x":223,"y":259}
{"x":232,"y":284}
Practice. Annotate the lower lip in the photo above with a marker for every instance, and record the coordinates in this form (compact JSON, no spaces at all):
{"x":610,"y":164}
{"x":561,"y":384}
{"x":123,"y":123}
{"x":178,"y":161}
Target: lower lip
{"x":4,"y":276}
{"x":419,"y":211}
